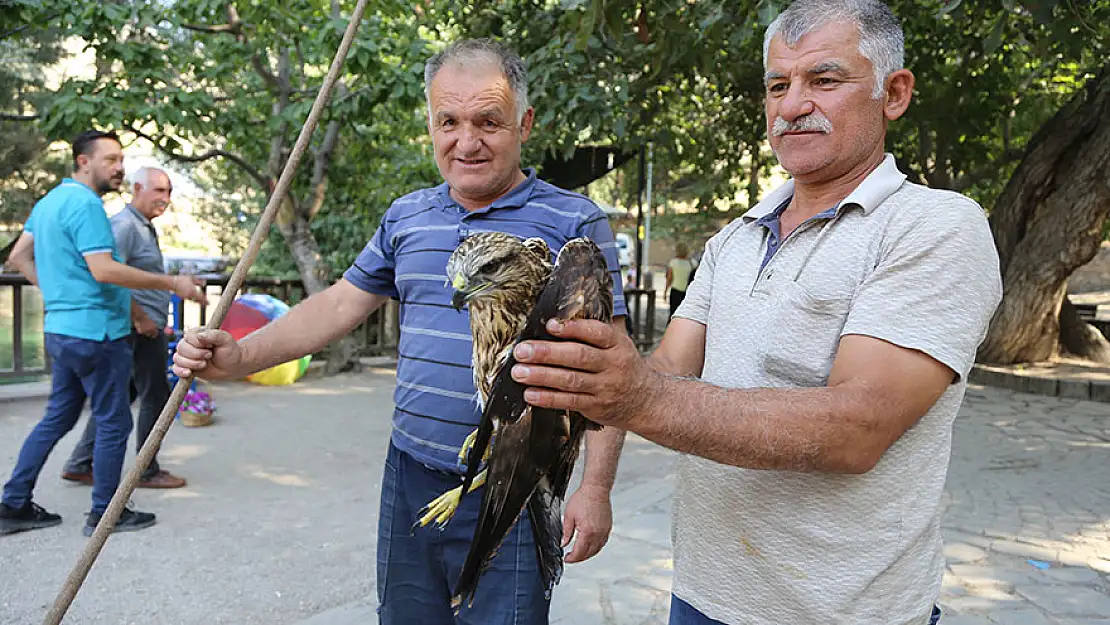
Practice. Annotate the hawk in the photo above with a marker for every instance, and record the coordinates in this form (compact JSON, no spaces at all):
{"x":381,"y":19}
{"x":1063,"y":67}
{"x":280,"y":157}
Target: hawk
{"x":512,"y":291}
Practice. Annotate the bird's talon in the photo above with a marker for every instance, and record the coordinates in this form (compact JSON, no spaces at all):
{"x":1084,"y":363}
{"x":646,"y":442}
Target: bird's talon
{"x":441,"y":509}
{"x":467,"y":444}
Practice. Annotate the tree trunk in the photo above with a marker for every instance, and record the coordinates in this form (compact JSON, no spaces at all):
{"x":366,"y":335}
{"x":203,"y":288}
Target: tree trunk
{"x":314,"y":271}
{"x":1047,"y":223}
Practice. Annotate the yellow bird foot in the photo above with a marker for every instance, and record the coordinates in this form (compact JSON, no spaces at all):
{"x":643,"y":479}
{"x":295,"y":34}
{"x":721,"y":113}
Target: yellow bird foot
{"x":467,"y":444}
{"x":443,"y":508}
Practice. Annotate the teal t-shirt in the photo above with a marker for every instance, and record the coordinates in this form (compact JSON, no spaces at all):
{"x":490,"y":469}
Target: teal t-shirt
{"x":68,"y":223}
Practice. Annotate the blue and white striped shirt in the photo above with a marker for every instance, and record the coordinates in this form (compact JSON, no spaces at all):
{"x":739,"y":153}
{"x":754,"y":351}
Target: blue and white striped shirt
{"x":435,"y":400}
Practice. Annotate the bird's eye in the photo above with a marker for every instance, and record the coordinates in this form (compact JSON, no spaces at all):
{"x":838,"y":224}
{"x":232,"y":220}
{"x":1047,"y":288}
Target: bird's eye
{"x":493,"y":265}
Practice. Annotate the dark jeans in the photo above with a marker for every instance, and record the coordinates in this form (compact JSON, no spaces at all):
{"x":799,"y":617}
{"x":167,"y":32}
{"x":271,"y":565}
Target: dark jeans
{"x":148,"y":375}
{"x":417,"y":569}
{"x":676,"y":298}
{"x":99,"y":371}
{"x":683,"y":613}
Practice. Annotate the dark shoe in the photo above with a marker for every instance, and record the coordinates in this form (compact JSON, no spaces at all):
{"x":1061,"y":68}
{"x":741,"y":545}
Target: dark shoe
{"x":30,"y":517}
{"x":82,"y":478}
{"x":129,"y":521}
{"x":162,"y":479}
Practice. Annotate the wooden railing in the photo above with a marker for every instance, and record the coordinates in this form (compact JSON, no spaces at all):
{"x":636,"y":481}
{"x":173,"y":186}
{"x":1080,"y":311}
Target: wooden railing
{"x":25,"y":357}
{"x":22,"y":354}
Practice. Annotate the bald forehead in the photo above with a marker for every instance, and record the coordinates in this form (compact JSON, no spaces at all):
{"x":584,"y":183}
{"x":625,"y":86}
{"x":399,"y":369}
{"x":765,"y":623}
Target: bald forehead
{"x":159,"y":180}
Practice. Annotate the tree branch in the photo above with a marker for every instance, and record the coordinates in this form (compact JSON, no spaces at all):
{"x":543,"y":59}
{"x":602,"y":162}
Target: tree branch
{"x":262,"y":181}
{"x":233,"y":27}
{"x":222,"y":29}
{"x":263,"y":71}
{"x":19,"y":29}
{"x":6,"y":117}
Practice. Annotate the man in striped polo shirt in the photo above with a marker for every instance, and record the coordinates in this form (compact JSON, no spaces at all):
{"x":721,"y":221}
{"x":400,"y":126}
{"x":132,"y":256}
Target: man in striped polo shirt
{"x":479,"y":116}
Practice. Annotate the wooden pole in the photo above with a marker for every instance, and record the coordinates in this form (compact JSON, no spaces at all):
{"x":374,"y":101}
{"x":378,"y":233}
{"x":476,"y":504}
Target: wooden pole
{"x":154,"y":440}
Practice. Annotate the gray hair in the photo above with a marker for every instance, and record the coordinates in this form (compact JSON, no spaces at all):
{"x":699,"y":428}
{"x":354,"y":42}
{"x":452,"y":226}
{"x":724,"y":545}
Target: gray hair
{"x":142,"y":176}
{"x":880,"y":33}
{"x":469,"y":51}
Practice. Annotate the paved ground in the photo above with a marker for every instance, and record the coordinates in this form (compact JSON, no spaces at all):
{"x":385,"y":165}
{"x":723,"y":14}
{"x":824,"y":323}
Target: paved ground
{"x":277,"y":525}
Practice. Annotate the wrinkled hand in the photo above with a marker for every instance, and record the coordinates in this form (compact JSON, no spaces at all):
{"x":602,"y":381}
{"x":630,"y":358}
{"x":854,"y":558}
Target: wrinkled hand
{"x":598,"y":372}
{"x":588,"y":519}
{"x":146,"y":327}
{"x":190,"y":288}
{"x":209,"y":354}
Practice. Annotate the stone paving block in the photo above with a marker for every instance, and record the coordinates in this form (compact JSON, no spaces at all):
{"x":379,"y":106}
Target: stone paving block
{"x":965,"y":620}
{"x":987,"y":377}
{"x":958,"y":552}
{"x":354,"y":613}
{"x":1012,"y":382}
{"x":981,"y":605}
{"x":1013,"y":548}
{"x":651,"y":527}
{"x":1074,"y":389}
{"x":1100,"y":565}
{"x":1075,"y":601}
{"x":1072,"y":575}
{"x":1021,"y":617}
{"x":1100,"y":391}
{"x":994,"y":592}
{"x":621,"y":602}
{"x":1072,"y":558}
{"x":991,"y":573}
{"x":1036,"y":385}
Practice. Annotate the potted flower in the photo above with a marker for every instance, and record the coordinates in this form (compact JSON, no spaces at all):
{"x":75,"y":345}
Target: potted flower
{"x":197,"y":409}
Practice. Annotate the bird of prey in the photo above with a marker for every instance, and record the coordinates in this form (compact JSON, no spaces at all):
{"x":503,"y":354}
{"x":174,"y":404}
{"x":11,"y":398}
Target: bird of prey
{"x":529,"y":452}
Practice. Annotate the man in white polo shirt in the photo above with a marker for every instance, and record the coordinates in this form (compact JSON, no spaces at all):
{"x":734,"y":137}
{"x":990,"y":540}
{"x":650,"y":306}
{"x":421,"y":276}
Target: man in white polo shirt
{"x":831,"y":331}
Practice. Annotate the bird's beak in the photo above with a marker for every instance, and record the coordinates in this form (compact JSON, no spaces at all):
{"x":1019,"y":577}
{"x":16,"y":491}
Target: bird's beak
{"x":458,"y":299}
{"x":461,"y":292}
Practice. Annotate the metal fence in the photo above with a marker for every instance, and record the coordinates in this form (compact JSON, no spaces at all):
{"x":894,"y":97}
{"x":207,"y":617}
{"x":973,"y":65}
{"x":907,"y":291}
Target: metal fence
{"x":22,"y":354}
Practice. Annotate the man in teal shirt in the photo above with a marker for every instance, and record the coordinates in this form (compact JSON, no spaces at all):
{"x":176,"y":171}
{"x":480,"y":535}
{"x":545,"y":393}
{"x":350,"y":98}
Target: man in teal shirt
{"x":68,"y":250}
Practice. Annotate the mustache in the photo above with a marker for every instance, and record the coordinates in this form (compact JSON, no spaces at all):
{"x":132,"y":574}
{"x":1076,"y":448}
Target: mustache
{"x":814,"y":122}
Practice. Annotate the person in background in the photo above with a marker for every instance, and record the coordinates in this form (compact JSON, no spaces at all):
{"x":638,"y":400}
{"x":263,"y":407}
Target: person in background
{"x":68,"y":251}
{"x":137,"y":245}
{"x":679,"y":270}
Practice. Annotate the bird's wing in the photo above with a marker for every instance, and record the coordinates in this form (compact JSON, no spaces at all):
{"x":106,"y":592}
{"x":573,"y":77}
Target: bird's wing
{"x":536,"y":448}
{"x":524,"y":450}
{"x":579,"y":287}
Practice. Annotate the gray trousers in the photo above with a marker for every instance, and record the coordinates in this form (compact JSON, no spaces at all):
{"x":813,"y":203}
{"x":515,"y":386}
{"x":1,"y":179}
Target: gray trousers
{"x":151,"y":388}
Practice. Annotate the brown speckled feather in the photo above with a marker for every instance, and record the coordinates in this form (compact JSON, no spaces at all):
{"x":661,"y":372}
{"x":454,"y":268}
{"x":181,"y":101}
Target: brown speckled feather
{"x":535,"y":448}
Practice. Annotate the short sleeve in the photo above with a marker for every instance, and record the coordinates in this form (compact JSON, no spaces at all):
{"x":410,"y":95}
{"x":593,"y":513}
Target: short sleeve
{"x":596,"y":227}
{"x":374,"y":269}
{"x":935,"y":288}
{"x":29,"y":226}
{"x":123,"y":231}
{"x":90,"y":230}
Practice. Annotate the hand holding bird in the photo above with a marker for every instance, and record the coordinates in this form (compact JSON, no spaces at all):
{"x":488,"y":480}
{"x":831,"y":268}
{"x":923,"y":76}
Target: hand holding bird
{"x":593,"y":369}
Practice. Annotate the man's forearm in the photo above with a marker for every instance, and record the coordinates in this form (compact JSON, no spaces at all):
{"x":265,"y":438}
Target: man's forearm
{"x":307,"y":328}
{"x":603,"y":452}
{"x":123,"y":275}
{"x":26,"y":266}
{"x":801,"y":429}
